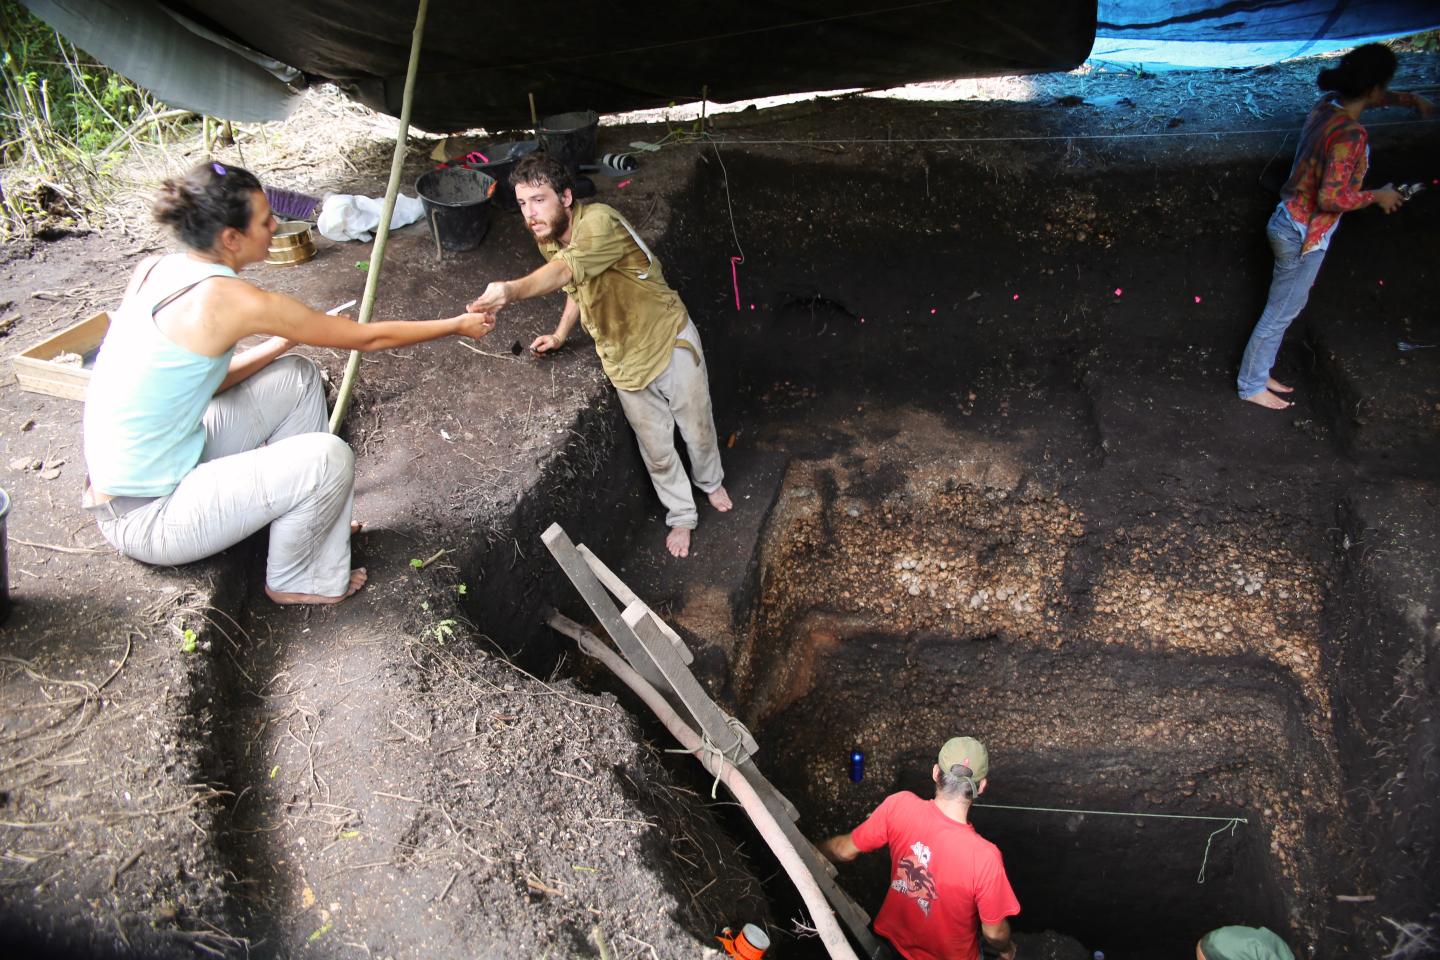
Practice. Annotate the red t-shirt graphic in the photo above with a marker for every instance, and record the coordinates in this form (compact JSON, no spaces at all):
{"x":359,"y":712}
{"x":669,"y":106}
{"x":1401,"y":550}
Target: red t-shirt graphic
{"x":945,"y":880}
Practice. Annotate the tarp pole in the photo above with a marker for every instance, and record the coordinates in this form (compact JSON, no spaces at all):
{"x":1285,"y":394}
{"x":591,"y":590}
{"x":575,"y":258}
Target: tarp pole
{"x":382,"y":233}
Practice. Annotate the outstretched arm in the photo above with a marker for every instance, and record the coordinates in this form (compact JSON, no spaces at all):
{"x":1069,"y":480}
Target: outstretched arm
{"x":281,"y":316}
{"x":547,"y":279}
{"x":1400,"y":98}
{"x":840,"y":848}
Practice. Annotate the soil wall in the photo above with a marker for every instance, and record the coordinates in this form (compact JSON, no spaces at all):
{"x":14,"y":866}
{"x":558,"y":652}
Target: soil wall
{"x":1072,"y":318}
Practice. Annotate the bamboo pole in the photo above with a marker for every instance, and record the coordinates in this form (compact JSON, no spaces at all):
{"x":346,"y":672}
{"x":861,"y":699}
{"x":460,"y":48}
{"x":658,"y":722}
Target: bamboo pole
{"x":382,"y":233}
{"x":826,"y":925}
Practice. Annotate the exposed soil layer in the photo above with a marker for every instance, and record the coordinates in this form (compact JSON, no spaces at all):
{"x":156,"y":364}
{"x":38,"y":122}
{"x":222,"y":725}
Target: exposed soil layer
{"x":1012,"y":359}
{"x":1022,"y":503}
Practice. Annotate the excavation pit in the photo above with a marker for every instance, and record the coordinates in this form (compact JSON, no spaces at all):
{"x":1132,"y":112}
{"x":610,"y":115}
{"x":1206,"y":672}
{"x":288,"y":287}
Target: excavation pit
{"x":1103,"y":672}
{"x":997,"y":497}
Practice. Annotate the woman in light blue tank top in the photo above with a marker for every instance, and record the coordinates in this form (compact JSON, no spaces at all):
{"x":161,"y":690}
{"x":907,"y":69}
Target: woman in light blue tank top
{"x":192,"y":447}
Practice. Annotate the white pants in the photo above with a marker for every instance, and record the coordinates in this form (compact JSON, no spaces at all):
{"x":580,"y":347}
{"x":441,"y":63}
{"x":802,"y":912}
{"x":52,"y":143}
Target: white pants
{"x":269,"y":458}
{"x":680,"y":396}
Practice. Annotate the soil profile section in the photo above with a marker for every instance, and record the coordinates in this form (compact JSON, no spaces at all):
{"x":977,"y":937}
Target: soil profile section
{"x":991,"y":519}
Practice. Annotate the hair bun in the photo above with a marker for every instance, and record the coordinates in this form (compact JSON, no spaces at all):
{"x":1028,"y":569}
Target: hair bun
{"x":172,"y":201}
{"x":204,"y":201}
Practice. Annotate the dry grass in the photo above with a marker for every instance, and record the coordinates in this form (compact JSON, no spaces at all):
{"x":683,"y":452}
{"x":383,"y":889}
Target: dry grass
{"x":330,"y":144}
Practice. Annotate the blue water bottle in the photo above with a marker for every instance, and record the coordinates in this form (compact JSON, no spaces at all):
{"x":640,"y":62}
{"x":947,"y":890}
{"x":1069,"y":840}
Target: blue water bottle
{"x":857,"y":765}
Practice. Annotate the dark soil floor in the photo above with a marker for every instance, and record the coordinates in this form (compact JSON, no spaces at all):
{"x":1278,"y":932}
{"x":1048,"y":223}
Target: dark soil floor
{"x":977,"y":399}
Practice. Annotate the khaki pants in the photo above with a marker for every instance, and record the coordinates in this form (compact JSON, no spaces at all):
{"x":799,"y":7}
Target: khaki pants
{"x":680,"y":396}
{"x":269,"y":458}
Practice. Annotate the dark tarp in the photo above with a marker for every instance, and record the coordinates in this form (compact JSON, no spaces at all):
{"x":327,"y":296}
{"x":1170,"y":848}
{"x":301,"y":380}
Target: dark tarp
{"x":1246,"y":21}
{"x":174,"y":60}
{"x":480,"y":60}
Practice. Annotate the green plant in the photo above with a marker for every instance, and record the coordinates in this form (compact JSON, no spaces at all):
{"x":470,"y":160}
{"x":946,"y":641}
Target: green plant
{"x":188,"y":641}
{"x":441,"y":631}
{"x":62,"y":116}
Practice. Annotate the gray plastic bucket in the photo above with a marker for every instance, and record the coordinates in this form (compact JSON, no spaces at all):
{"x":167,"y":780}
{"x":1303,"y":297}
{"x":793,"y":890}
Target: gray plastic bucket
{"x":570,"y":137}
{"x":457,"y":204}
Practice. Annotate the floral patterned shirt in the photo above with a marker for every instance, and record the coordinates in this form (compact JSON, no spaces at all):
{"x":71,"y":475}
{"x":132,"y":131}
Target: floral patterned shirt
{"x":1329,"y":168}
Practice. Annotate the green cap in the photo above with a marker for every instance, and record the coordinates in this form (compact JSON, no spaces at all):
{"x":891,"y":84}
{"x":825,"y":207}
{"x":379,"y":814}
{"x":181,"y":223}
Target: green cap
{"x":1244,"y":943}
{"x":967,"y":751}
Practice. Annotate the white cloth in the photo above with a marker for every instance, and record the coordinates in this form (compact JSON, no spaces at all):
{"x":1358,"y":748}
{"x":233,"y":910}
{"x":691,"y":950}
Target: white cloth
{"x":269,"y":458}
{"x":347,"y":217}
{"x":680,"y":396}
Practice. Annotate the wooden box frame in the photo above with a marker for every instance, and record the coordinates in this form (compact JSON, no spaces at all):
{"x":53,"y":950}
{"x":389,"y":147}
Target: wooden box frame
{"x":36,"y":371}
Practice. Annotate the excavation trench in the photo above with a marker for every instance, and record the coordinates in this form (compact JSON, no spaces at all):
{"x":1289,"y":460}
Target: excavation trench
{"x":983,"y":488}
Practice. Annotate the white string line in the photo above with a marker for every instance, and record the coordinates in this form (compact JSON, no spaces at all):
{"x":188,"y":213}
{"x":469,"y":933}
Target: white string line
{"x":1113,"y":813}
{"x":726,"y":174}
{"x":1033,"y":137}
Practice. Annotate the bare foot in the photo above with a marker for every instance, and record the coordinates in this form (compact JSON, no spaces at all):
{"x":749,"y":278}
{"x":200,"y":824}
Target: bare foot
{"x":1275,"y":385}
{"x":720,"y":500}
{"x":357,"y":580}
{"x":678,"y":542}
{"x":1267,"y":399}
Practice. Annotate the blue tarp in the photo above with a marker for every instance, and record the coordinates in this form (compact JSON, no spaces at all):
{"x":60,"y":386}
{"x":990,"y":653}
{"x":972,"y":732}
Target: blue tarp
{"x":1238,"y":33}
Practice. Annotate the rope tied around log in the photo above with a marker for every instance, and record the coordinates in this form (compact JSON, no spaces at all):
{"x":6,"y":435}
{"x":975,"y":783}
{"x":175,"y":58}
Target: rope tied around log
{"x":730,"y":753}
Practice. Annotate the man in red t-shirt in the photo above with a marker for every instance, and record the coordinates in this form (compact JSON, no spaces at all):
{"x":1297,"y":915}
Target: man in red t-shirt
{"x":946,"y":879}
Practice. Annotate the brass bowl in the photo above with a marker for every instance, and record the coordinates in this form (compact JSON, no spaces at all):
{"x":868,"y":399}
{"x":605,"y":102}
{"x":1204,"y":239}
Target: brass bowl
{"x":292,"y":243}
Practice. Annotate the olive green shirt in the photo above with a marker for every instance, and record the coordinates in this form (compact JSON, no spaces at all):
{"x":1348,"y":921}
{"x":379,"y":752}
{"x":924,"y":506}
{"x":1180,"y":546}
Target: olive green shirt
{"x":625,"y":303}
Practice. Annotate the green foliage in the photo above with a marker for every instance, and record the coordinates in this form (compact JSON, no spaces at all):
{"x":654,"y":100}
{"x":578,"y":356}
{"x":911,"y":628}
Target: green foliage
{"x":441,"y":631}
{"x":63,"y":118}
{"x":47,"y":79}
{"x":1428,"y":42}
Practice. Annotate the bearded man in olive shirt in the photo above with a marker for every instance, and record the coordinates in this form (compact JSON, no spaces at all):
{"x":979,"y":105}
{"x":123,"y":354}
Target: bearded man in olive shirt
{"x":648,"y":346}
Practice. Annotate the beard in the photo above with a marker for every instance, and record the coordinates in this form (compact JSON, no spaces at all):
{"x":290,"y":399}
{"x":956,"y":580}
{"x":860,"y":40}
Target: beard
{"x":553,"y":228}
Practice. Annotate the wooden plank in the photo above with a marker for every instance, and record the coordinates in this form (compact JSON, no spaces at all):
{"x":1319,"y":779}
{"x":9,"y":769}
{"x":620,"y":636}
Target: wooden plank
{"x":849,"y":912}
{"x":35,"y":371}
{"x":653,"y":654}
{"x":713,"y":721}
{"x":593,"y":593}
{"x":627,"y":596}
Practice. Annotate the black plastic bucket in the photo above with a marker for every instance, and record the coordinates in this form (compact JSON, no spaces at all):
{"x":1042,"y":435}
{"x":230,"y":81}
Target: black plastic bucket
{"x":457,"y":204}
{"x":4,"y":556}
{"x":503,"y":157}
{"x":570,"y":137}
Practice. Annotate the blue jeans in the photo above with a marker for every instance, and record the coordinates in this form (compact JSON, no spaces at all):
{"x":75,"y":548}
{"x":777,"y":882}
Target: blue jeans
{"x":1289,"y":289}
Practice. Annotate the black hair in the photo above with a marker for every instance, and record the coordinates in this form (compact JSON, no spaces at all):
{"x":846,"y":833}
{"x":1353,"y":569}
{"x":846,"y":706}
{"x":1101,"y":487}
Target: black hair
{"x":205,"y":201}
{"x":1360,"y":71}
{"x":958,"y":783}
{"x":540,"y":169}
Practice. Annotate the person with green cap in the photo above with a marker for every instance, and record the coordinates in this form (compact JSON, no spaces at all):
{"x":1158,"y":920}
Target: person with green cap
{"x":947,"y":883}
{"x":1242,"y":943}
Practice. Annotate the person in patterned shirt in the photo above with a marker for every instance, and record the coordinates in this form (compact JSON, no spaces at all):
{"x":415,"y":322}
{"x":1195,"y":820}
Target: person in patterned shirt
{"x":1325,"y":181}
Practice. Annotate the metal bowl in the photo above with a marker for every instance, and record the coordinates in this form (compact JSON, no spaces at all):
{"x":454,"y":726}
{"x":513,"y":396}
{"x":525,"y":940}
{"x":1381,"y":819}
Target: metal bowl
{"x":292,"y":243}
